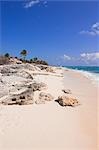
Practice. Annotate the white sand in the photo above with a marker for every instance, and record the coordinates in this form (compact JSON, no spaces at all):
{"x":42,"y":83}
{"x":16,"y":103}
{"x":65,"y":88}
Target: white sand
{"x":50,"y":126}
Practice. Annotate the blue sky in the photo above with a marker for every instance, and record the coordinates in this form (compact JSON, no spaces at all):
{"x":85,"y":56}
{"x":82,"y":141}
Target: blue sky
{"x":61,"y":32}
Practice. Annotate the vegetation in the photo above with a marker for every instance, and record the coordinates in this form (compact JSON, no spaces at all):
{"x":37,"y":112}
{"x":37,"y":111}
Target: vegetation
{"x":23,"y":53}
{"x":5,"y":59}
{"x":38,"y":61}
{"x":7,"y":55}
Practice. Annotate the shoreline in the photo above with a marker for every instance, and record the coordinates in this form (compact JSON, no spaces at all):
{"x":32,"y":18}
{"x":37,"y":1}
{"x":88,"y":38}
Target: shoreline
{"x":50,"y":126}
{"x":91,"y":76}
{"x":84,"y":89}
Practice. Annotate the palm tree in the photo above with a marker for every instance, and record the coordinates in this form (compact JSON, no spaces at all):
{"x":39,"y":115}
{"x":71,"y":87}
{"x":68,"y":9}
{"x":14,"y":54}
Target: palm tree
{"x":23,"y":53}
{"x":7,"y":55}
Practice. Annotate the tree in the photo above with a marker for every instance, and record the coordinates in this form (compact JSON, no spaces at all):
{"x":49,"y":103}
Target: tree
{"x":23,"y":53}
{"x":35,"y":59}
{"x":7,"y":55}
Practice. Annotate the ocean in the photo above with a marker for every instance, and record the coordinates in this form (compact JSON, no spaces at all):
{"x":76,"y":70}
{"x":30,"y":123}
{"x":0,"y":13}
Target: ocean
{"x":91,"y":72}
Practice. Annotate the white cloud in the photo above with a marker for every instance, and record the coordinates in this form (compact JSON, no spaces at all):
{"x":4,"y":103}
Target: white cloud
{"x":88,"y":32}
{"x":90,"y":56}
{"x":94,"y":30}
{"x":82,"y":59}
{"x":31,"y":3}
{"x":66,"y":57}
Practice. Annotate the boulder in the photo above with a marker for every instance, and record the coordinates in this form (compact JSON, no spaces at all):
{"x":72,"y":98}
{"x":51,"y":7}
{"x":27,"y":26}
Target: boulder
{"x":67,"y":101}
{"x":43,"y":97}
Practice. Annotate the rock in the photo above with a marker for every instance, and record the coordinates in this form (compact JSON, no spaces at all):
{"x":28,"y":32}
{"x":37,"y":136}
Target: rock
{"x":22,"y":97}
{"x":46,"y":68}
{"x":25,"y":74}
{"x":7,"y":70}
{"x":50,"y":69}
{"x":43,"y":97}
{"x":40,"y":101}
{"x":38,"y":86}
{"x":15,"y":61}
{"x":42,"y":67}
{"x":67,"y":101}
{"x":67,"y":91}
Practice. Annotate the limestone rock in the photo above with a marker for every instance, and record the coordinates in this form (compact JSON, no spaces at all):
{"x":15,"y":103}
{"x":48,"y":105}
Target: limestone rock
{"x":50,"y":69}
{"x":67,"y":101}
{"x":7,"y":70}
{"x":38,"y":86}
{"x":25,"y":74}
{"x":46,"y":68}
{"x":22,"y":97}
{"x":43,"y":97}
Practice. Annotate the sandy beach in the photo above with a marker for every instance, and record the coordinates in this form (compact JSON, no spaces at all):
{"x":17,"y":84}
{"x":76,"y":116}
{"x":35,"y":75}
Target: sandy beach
{"x":50,"y":126}
{"x":49,"y":75}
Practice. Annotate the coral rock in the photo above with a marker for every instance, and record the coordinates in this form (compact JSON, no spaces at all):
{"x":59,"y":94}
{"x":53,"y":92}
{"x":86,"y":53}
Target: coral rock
{"x":67,"y":101}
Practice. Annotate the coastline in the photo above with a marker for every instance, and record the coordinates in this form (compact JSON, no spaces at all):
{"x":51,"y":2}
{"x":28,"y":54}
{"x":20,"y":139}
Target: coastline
{"x":50,"y":126}
{"x":94,"y":77}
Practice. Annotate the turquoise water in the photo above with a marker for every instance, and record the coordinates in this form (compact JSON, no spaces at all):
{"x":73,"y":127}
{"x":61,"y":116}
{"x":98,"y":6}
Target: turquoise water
{"x":91,"y":72}
{"x":91,"y":69}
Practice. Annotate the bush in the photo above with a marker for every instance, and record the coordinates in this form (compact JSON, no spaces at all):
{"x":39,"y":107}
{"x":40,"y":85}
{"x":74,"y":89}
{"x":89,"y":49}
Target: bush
{"x":4,"y":60}
{"x":7,"y":55}
{"x":37,"y":61}
{"x":43,"y":62}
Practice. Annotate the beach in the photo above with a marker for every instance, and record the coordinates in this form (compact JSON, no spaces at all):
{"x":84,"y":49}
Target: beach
{"x":50,"y":126}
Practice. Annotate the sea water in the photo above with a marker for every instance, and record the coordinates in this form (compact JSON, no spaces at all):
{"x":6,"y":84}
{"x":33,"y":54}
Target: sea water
{"x":91,"y":72}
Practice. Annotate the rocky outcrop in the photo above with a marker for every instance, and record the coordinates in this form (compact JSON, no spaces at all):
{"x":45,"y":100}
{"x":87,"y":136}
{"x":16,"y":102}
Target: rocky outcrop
{"x":7,"y":70}
{"x":67,"y":101}
{"x":20,"y":92}
{"x":46,"y":68}
{"x":50,"y":69}
{"x":25,"y":74}
{"x":22,"y":97}
{"x":38,"y":86}
{"x":43,"y":97}
{"x":17,"y":68}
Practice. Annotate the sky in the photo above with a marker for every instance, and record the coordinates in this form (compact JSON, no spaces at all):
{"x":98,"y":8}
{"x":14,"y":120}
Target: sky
{"x":60,"y":32}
